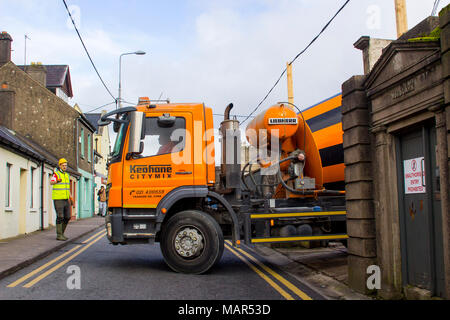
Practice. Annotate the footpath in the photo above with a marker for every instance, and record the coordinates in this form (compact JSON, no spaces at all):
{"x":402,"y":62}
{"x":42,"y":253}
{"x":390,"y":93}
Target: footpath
{"x":324,"y":269}
{"x":19,"y":252}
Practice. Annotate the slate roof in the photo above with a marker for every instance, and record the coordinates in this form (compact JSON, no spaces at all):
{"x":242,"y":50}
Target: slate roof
{"x":9,"y":138}
{"x":93,"y":119}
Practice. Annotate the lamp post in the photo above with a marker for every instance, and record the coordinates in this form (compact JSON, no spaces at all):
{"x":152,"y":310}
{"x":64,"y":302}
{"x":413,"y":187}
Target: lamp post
{"x":139,"y":53}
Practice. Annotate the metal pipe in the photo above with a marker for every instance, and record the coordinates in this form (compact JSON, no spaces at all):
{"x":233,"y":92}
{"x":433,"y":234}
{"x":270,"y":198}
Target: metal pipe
{"x":227,"y":111}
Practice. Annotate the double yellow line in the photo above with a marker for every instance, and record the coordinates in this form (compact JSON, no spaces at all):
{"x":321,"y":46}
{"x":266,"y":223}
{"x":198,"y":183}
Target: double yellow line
{"x":288,"y":296}
{"x":87,"y":243}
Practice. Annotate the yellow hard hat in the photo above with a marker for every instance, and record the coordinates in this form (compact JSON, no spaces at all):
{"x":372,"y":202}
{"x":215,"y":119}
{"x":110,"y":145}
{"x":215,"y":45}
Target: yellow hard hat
{"x":61,"y":161}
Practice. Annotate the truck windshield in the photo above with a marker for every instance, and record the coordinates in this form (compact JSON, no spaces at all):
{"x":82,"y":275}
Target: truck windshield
{"x":119,"y":140}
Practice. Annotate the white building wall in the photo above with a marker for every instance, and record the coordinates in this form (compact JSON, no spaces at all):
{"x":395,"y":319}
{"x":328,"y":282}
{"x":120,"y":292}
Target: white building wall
{"x":20,"y":217}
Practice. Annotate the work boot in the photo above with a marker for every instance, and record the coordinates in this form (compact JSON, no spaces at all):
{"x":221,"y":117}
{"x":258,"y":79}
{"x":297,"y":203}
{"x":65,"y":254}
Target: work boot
{"x":64,"y":226}
{"x":59,"y":232}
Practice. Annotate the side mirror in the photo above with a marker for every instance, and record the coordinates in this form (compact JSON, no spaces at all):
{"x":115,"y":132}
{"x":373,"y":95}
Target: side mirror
{"x":136,"y":132}
{"x":106,"y":119}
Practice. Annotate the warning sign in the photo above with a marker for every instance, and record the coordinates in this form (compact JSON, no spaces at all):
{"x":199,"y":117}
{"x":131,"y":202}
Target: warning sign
{"x":414,"y":175}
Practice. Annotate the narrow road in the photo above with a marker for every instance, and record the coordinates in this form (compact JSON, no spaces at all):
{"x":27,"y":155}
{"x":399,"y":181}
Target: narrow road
{"x":92,"y":268}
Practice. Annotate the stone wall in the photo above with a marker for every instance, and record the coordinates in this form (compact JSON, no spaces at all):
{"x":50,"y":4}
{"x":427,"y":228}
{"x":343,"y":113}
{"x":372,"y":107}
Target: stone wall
{"x":40,"y":115}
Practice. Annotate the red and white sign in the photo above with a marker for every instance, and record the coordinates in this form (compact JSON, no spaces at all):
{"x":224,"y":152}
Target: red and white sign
{"x":414,"y":175}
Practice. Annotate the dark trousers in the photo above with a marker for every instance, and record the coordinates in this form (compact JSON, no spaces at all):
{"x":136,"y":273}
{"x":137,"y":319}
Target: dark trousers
{"x":62,"y":208}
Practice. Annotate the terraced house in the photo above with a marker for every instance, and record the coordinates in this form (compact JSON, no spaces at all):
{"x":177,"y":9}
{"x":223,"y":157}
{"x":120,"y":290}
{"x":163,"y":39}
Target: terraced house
{"x":34,"y":110}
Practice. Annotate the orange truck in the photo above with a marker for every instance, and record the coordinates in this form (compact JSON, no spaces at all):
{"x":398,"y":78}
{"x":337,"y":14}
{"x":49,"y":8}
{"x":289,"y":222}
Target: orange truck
{"x":163,"y":184}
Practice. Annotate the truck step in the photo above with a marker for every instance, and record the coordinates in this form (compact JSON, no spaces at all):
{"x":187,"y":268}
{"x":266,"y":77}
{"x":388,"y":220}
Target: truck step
{"x":139,"y":235}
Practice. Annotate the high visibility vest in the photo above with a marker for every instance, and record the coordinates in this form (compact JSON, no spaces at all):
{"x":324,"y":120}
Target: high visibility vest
{"x":61,"y":190}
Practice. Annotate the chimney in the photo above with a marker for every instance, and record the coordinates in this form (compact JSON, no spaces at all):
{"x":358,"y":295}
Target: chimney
{"x":5,"y":48}
{"x":7,"y":101}
{"x":38,"y":72}
{"x":372,"y":50}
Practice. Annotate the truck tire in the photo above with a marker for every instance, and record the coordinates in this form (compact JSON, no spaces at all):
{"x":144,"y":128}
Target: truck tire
{"x":191,"y":242}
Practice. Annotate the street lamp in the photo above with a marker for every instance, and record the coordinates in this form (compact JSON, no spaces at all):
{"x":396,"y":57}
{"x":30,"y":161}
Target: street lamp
{"x":139,"y":53}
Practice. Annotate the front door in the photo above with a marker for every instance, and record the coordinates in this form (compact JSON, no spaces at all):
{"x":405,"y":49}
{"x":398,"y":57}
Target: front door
{"x":420,"y":214}
{"x":165,"y":163}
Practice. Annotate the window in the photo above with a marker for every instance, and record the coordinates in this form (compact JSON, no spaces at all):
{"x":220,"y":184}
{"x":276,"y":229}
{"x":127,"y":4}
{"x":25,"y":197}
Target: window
{"x":82,"y":142}
{"x":8,"y":186}
{"x":89,"y":147}
{"x":161,"y":140}
{"x":86,"y":191}
{"x":33,"y":170}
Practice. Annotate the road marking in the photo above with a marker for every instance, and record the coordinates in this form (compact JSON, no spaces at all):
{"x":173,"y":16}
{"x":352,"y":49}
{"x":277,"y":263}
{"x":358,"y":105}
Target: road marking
{"x":86,"y":241}
{"x":286,"y":295}
{"x":59,"y":265}
{"x":29,"y":275}
{"x":24,"y":278}
{"x":45,"y":274}
{"x":288,"y":284}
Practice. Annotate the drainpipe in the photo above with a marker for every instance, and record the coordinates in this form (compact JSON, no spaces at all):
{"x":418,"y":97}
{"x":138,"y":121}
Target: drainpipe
{"x":42,"y":195}
{"x":76,"y":140}
{"x":77,"y":137}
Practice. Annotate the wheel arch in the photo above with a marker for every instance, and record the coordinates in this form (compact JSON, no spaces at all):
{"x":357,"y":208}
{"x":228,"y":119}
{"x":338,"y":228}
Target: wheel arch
{"x":183,"y":195}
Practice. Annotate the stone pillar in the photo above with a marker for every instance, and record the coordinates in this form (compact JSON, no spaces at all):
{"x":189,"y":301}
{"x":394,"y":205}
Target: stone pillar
{"x":358,"y":183}
{"x":443,"y":137}
{"x":386,"y":213}
{"x":372,"y":50}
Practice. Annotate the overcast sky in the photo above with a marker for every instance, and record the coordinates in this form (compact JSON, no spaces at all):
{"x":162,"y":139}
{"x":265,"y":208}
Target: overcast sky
{"x":208,"y":51}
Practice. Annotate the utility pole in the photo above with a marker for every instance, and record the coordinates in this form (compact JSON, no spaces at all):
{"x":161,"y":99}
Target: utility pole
{"x":290,"y":83}
{"x":401,"y":17}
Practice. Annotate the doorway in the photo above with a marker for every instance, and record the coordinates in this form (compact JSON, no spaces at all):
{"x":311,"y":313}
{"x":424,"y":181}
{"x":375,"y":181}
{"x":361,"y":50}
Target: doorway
{"x":420,"y":209}
{"x":23,"y":201}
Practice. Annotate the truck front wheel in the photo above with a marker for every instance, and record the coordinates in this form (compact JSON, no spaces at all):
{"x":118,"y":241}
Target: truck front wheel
{"x":191,"y":242}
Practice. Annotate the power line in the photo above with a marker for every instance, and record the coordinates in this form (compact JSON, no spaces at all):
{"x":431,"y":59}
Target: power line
{"x":100,"y":107}
{"x":87,"y":52}
{"x":435,"y":6}
{"x":293,"y":60}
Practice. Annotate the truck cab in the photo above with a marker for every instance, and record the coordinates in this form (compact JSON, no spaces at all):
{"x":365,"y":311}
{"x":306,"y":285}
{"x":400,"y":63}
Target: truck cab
{"x":162,"y":164}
